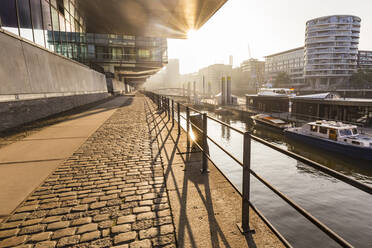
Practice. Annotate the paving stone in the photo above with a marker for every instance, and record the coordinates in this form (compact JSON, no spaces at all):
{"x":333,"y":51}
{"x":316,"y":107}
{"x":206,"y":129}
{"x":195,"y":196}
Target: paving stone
{"x":10,"y":225}
{"x":58,"y":225}
{"x":125,"y":237}
{"x":133,"y":198}
{"x":9,"y":233}
{"x":52,"y":219}
{"x":13,"y":241}
{"x":141,"y":244}
{"x":41,"y":236}
{"x":126,"y":219}
{"x":32,"y":222}
{"x":20,"y":216}
{"x":64,"y":232}
{"x":66,"y":241}
{"x":148,"y":233}
{"x":90,"y":236}
{"x":100,"y":217}
{"x":27,"y":208}
{"x":146,"y":216}
{"x":120,"y":228}
{"x":163,"y":213}
{"x":33,"y":229}
{"x":81,"y":221}
{"x":137,"y":210}
{"x":87,"y":228}
{"x":105,"y":224}
{"x":163,"y":240}
{"x":59,"y":211}
{"x":96,"y":205}
{"x":46,"y":244}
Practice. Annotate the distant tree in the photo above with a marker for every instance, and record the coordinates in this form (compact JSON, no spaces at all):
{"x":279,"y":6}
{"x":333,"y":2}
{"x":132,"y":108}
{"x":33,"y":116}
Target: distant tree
{"x":361,"y":79}
{"x":282,"y":79}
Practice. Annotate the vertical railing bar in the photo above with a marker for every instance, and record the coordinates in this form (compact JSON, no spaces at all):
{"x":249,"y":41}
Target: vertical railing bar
{"x":188,"y":129}
{"x":246,"y":180}
{"x":205,"y":144}
{"x":179,"y":118}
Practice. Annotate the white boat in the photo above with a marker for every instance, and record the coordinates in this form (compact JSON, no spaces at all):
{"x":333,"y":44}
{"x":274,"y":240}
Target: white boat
{"x":269,"y":121}
{"x":334,"y":136}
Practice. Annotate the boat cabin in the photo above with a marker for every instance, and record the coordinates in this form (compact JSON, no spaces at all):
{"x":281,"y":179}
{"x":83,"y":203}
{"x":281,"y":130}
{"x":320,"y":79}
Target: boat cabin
{"x":337,"y":131}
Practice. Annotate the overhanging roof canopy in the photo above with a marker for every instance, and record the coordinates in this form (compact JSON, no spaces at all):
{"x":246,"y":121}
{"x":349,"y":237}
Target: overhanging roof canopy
{"x":161,"y":18}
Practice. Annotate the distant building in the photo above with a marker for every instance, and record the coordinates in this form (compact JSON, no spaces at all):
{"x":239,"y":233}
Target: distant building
{"x":212,"y":77}
{"x":365,"y":60}
{"x":231,"y":60}
{"x":290,"y":61}
{"x":331,"y":50}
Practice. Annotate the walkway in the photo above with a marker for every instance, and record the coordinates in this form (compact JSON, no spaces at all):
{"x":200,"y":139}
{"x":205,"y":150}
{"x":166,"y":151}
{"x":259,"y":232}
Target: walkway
{"x":123,"y":185}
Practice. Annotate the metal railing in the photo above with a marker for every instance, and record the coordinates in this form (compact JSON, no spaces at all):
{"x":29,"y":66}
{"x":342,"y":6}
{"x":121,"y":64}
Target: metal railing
{"x":163,"y":103}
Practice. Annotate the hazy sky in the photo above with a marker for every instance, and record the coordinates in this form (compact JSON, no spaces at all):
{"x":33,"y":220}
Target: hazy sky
{"x":268,"y":26}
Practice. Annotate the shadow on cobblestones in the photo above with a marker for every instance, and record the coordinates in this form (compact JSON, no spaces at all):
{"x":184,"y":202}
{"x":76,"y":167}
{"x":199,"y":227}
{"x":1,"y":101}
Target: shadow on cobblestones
{"x":165,"y":133}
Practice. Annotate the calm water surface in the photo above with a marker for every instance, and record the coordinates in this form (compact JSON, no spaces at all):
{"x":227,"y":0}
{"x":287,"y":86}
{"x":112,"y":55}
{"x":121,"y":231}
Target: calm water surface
{"x":343,"y":208}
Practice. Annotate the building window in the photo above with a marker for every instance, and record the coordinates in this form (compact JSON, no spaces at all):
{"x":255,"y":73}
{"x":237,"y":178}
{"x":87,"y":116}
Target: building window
{"x":47,"y":25}
{"x":25,"y":26}
{"x":37,"y":22}
{"x":8,"y":16}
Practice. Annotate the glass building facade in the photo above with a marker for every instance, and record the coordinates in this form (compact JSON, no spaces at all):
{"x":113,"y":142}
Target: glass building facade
{"x":59,"y":26}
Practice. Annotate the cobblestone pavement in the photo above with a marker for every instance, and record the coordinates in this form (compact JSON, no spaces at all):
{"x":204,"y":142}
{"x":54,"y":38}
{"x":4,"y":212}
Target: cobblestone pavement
{"x":109,"y":193}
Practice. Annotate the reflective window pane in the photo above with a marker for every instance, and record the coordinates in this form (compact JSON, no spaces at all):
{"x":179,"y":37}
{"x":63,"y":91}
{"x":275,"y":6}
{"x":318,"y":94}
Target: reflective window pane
{"x":25,"y":26}
{"x":37,"y":22}
{"x":8,"y":16}
{"x":47,"y":25}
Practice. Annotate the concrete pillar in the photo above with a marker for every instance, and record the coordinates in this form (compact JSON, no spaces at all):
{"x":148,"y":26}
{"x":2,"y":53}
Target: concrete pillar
{"x":228,"y":90}
{"x":188,"y":90}
{"x":194,"y":91}
{"x":223,"y":91}
{"x":209,"y":89}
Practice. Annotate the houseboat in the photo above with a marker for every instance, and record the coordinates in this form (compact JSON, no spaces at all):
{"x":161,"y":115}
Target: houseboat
{"x":269,"y":121}
{"x":334,"y":136}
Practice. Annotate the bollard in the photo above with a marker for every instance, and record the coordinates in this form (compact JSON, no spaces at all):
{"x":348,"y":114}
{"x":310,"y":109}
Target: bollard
{"x":172,"y":113}
{"x":244,"y":226}
{"x":188,"y":129}
{"x":205,"y":145}
{"x":179,"y":118}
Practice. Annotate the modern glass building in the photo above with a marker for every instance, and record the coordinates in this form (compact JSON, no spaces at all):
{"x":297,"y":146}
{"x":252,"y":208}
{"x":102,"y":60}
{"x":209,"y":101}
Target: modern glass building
{"x":365,"y":60}
{"x":60,"y":27}
{"x":331,"y":49}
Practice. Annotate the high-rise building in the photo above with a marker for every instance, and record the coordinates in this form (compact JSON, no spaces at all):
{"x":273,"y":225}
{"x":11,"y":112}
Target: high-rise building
{"x":290,"y":61}
{"x":365,"y":60}
{"x":331,"y":49}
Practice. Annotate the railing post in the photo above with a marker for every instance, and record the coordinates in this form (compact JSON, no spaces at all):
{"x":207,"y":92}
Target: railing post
{"x":205,"y":145}
{"x":158,"y":101}
{"x":244,"y":226}
{"x":172,"y":113}
{"x":188,"y":128}
{"x":168,"y":108}
{"x":179,"y":118}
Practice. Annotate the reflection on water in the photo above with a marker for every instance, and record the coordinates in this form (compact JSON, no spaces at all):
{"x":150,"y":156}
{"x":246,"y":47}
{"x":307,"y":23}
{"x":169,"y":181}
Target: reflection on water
{"x":341,"y":207}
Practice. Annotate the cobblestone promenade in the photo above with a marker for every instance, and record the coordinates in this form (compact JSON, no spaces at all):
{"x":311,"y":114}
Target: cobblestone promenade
{"x":110,"y":192}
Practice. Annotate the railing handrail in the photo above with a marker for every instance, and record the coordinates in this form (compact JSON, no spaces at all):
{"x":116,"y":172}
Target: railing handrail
{"x":314,"y":164}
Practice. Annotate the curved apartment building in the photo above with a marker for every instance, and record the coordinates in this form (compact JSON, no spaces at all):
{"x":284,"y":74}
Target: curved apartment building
{"x":331,"y":49}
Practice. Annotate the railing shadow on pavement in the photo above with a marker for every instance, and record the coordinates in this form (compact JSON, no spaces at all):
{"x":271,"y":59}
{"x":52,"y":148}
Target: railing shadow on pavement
{"x":191,"y":158}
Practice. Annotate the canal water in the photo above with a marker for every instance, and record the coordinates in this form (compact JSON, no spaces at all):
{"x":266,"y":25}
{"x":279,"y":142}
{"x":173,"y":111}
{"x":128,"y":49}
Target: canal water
{"x":343,"y":208}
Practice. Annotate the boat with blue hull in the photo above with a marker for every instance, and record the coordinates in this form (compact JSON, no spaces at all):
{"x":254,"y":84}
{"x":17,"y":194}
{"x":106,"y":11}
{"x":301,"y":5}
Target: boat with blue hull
{"x":334,"y":136}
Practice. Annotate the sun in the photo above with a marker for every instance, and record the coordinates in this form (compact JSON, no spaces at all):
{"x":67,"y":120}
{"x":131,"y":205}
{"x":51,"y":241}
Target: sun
{"x":191,"y":34}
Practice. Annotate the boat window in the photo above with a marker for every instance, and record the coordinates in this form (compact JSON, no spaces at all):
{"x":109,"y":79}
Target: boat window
{"x":355,"y":142}
{"x":345,"y":132}
{"x":313,"y":128}
{"x":323,"y":130}
{"x":355,"y":131}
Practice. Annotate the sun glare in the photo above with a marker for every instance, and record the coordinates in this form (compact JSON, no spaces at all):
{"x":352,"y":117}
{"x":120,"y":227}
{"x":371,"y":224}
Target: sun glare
{"x":191,"y":34}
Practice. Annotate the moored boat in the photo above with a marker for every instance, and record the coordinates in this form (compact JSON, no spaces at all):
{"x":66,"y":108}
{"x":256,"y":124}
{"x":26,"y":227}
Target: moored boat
{"x":334,"y":136}
{"x":269,"y":121}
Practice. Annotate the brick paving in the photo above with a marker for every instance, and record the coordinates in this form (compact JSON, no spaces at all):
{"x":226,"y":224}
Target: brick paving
{"x":109,"y":193}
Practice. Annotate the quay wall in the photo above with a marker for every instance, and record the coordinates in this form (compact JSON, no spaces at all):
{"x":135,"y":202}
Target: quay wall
{"x":36,"y":83}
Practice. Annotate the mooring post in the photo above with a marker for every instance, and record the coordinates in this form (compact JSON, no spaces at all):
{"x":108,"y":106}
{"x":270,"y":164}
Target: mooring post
{"x":188,"y":128}
{"x":244,"y":226}
{"x":179,"y":118}
{"x":205,"y":144}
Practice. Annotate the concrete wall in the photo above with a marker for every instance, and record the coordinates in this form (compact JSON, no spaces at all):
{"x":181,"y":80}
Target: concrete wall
{"x":36,"y":82}
{"x":115,"y":86}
